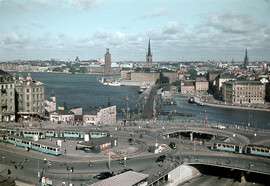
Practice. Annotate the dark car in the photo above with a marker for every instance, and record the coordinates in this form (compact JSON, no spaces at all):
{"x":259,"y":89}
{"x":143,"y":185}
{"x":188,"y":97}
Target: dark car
{"x":103,"y":175}
{"x":172,"y":145}
{"x":161,"y":158}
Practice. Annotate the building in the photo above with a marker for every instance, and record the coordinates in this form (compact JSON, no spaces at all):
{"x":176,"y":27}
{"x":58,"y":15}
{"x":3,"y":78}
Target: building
{"x":77,"y":110}
{"x":29,"y":98}
{"x":130,"y":178}
{"x":50,"y":105}
{"x":62,"y":116}
{"x":7,"y":97}
{"x":187,"y":86}
{"x":243,"y":92}
{"x":245,"y":64}
{"x":173,"y":76}
{"x":201,"y":84}
{"x":149,"y":56}
{"x":107,"y":116}
{"x":221,"y":79}
{"x":107,"y":67}
{"x":96,"y":145}
{"x":91,"y":117}
{"x":147,"y":77}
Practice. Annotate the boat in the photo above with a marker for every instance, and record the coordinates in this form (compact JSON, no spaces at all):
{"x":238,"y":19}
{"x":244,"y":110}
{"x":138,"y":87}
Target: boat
{"x":114,"y":83}
{"x":141,"y":90}
{"x":200,"y":103}
{"x":191,"y":100}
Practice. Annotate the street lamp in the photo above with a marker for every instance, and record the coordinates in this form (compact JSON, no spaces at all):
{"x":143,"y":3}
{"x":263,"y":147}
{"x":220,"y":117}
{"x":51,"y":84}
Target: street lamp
{"x":125,"y":161}
{"x":109,"y":159}
{"x":127,"y":99}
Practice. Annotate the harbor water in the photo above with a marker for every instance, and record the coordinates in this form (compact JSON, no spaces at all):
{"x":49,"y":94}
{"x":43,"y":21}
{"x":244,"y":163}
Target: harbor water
{"x":83,"y":90}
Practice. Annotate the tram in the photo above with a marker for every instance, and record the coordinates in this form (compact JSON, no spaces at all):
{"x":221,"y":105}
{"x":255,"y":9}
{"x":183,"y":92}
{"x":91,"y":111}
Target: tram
{"x":30,"y":133}
{"x":99,"y":134}
{"x":257,"y":150}
{"x":38,"y":146}
{"x":229,"y":147}
{"x":66,"y":133}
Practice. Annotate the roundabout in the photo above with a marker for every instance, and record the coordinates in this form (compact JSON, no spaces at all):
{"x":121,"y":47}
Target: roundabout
{"x":132,"y":152}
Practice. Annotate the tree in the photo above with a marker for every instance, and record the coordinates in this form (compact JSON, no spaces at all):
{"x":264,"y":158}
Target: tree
{"x":162,"y":79}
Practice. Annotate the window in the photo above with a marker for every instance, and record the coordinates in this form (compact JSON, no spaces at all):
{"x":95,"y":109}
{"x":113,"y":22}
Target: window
{"x":27,"y":90}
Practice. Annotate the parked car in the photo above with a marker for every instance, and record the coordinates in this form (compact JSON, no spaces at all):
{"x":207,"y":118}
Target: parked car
{"x":103,"y":175}
{"x":172,"y":145}
{"x":161,"y":158}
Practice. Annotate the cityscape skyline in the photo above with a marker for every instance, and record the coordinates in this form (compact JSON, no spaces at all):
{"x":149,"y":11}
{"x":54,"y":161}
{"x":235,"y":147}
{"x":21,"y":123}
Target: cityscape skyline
{"x":179,"y":31}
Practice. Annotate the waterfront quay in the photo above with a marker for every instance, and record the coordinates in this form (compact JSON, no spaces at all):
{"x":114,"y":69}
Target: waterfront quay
{"x":191,"y":154}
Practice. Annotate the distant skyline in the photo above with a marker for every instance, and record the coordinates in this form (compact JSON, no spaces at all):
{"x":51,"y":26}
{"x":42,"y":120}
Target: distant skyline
{"x":185,"y":30}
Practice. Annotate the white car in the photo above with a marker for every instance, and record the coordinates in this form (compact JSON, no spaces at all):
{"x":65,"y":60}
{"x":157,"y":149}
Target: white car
{"x":221,"y":127}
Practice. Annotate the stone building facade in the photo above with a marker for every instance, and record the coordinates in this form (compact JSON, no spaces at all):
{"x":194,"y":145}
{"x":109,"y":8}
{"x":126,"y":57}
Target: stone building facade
{"x":7,"y":97}
{"x":201,"y":84}
{"x":147,"y":77}
{"x":243,"y":92}
{"x":107,"y":116}
{"x":29,"y":97}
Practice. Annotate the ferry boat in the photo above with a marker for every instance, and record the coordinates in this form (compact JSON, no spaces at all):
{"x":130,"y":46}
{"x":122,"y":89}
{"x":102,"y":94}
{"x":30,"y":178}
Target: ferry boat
{"x":114,"y":83}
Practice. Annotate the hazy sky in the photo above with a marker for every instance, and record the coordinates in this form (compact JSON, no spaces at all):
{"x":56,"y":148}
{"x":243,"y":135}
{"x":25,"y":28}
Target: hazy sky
{"x":179,"y":29}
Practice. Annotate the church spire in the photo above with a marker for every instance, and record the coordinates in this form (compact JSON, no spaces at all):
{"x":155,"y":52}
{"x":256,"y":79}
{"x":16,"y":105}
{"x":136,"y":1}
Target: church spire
{"x":149,"y":49}
{"x":246,"y":59}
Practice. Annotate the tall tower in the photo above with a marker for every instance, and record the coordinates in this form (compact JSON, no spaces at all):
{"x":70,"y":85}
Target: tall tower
{"x":246,"y":60}
{"x":149,"y":56}
{"x":107,"y":67}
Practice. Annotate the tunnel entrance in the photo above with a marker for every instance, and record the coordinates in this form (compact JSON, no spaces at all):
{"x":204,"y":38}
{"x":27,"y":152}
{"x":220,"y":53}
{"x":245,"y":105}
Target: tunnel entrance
{"x":197,"y":136}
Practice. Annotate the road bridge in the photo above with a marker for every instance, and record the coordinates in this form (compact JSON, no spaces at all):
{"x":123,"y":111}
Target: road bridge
{"x":200,"y":132}
{"x":148,"y":111}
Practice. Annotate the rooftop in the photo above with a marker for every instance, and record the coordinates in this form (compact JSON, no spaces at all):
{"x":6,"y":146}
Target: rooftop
{"x":96,"y":142}
{"x":244,"y":82}
{"x":125,"y":179}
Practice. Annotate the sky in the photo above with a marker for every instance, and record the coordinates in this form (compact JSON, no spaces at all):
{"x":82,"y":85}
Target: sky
{"x":179,"y":30}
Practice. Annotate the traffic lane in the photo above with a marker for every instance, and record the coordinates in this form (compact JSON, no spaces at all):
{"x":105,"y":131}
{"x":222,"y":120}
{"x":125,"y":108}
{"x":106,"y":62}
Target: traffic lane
{"x":137,"y":164}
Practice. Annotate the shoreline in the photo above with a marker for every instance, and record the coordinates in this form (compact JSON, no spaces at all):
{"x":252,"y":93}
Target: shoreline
{"x":59,"y":72}
{"x":228,"y":106}
{"x":235,"y":107}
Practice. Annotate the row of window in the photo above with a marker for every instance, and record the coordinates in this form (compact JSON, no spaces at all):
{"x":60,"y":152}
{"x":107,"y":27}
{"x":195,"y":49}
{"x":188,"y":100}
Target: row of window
{"x":249,"y":88}
{"x":5,"y":93}
{"x":35,"y":90}
{"x":261,"y":150}
{"x":6,"y":86}
{"x":5,"y":101}
{"x":247,"y":100}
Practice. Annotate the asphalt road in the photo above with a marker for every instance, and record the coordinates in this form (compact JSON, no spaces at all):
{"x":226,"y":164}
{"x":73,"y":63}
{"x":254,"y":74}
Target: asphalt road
{"x":186,"y":152}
